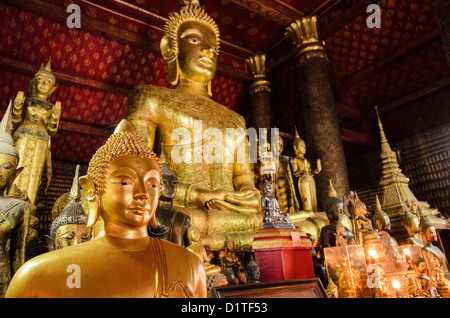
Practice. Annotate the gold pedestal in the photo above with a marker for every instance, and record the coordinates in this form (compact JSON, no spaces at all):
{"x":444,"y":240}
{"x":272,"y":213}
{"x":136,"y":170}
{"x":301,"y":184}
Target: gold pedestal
{"x":280,"y":237}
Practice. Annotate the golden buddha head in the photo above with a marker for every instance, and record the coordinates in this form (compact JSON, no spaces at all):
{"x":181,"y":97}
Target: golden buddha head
{"x":123,"y":181}
{"x":70,"y":228}
{"x":381,"y":219}
{"x":427,"y":229}
{"x":43,"y":83}
{"x":9,"y":157}
{"x":299,"y":145}
{"x":280,"y":145}
{"x":190,"y":45}
{"x":411,"y":223}
{"x":193,"y":234}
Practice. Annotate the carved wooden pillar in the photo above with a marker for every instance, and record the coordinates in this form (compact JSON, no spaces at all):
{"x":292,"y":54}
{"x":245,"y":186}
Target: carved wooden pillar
{"x":441,"y":10}
{"x":323,"y":135}
{"x":259,"y":93}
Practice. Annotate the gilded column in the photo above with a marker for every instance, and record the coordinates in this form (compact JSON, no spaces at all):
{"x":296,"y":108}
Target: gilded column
{"x":323,"y":135}
{"x":259,"y":93}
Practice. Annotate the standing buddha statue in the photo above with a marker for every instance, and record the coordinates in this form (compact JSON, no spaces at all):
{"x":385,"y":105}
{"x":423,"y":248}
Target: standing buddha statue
{"x":285,"y":193}
{"x":301,"y":168}
{"x":34,"y":120}
{"x":220,"y":197}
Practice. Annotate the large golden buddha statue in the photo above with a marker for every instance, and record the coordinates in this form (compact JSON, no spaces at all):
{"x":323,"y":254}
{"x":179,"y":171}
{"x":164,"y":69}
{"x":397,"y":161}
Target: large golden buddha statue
{"x":35,"y":119}
{"x":218,"y":194}
{"x":123,"y":184}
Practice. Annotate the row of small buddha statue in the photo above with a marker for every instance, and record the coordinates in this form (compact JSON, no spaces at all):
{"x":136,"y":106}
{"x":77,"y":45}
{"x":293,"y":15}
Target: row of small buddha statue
{"x":373,"y":234}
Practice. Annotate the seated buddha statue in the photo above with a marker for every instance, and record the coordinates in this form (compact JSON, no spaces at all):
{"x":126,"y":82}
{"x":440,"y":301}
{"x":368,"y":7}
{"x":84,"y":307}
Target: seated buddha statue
{"x":196,"y":247}
{"x":15,"y":213}
{"x":172,"y":225}
{"x":182,"y":125}
{"x":362,"y":225}
{"x":411,"y":223}
{"x":122,"y":184}
{"x":334,"y":207}
{"x":382,"y":224}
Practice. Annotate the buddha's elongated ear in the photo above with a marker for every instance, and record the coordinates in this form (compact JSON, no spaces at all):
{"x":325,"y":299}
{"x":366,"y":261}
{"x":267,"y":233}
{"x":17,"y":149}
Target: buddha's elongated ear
{"x":170,"y":56}
{"x":87,"y":184}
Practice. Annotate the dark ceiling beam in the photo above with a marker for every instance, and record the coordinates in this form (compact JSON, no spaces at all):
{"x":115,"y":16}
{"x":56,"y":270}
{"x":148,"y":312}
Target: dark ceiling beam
{"x":349,"y":112}
{"x":65,"y":78}
{"x":84,"y":129}
{"x":273,"y":10}
{"x":355,"y":137}
{"x":91,"y":25}
{"x":418,"y":94}
{"x":390,"y":58}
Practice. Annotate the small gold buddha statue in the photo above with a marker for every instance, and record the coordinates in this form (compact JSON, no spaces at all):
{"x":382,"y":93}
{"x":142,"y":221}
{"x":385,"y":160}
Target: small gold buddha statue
{"x":329,"y":234}
{"x":181,"y":125}
{"x":64,"y":199}
{"x":196,"y":246}
{"x":362,"y":225}
{"x":411,"y":223}
{"x":231,"y":265}
{"x":15,"y":213}
{"x":425,"y":285}
{"x":382,"y":224}
{"x":285,"y":193}
{"x":34,"y":120}
{"x":123,"y":184}
{"x":301,"y":168}
{"x":429,"y":251}
{"x":70,"y":227}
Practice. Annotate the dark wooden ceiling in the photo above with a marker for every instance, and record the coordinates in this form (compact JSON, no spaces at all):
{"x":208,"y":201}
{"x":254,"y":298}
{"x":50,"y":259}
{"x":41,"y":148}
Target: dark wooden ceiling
{"x":401,"y":67}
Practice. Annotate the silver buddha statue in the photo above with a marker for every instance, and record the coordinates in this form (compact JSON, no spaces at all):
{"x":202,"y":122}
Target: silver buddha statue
{"x":273,"y":216}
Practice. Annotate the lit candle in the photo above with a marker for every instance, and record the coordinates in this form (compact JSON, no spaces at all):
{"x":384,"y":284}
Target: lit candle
{"x":373,"y":254}
{"x":407,"y":253}
{"x":396,"y":284}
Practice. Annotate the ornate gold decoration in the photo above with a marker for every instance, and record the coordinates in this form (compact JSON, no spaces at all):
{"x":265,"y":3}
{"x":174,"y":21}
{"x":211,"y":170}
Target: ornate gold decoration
{"x":257,"y":67}
{"x":305,"y":37}
{"x":394,"y":183}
